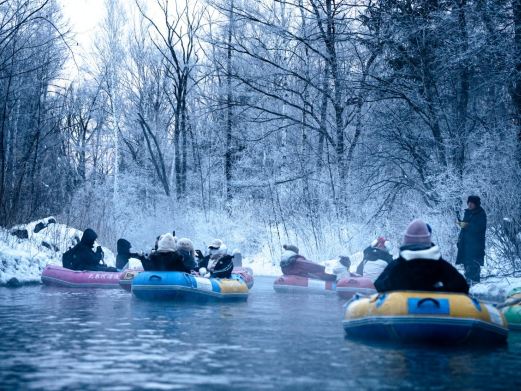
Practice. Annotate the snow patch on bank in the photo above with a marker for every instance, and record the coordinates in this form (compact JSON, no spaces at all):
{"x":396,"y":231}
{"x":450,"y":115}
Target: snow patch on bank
{"x":24,"y":259}
{"x":495,"y":288}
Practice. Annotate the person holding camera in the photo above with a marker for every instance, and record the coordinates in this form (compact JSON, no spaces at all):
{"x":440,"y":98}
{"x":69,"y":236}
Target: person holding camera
{"x":82,"y":256}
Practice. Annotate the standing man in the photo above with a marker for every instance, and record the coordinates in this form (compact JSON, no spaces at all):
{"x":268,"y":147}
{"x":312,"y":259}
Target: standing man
{"x":471,"y":240}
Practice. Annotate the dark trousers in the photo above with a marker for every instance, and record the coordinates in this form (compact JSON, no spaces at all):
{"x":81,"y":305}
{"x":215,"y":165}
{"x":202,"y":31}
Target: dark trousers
{"x":472,"y":272}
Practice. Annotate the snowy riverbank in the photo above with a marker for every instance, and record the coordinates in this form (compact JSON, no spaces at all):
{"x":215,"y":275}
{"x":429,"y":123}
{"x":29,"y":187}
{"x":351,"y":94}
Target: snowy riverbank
{"x":26,"y":249}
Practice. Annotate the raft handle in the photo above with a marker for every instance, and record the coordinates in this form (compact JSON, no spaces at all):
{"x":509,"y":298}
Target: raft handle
{"x":154,"y":278}
{"x":420,"y":302}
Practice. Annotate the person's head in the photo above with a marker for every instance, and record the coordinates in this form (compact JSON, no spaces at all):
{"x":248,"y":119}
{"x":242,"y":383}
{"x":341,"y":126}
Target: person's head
{"x":166,"y":243}
{"x":473,"y":202}
{"x":417,"y":234}
{"x":186,"y":245}
{"x":123,"y":246}
{"x":89,"y":237}
{"x":217,"y":246}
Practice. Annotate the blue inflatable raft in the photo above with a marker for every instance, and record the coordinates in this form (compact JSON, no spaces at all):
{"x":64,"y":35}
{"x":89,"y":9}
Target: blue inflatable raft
{"x":179,"y":286}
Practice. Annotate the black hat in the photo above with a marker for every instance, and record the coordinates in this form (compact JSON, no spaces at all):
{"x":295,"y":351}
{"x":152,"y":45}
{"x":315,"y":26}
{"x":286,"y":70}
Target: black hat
{"x":474,"y":199}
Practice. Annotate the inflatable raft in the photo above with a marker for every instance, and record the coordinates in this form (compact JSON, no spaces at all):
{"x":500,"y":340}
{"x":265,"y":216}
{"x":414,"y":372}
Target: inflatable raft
{"x":177,"y":285}
{"x":441,"y":318}
{"x":60,"y":276}
{"x":512,"y":313}
{"x":298,"y":284}
{"x":347,"y":287}
{"x":127,"y":276}
{"x":245,"y":273}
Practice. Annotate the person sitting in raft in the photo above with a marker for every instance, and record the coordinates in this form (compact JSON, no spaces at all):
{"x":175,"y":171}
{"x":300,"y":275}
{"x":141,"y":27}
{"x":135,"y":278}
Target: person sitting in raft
{"x":217,"y":263}
{"x":166,"y":258}
{"x":216,"y":247}
{"x":297,"y":265}
{"x":124,"y":254}
{"x":220,"y":266}
{"x":376,"y":258}
{"x":185,"y":248}
{"x":420,"y":266}
{"x":81,"y":256}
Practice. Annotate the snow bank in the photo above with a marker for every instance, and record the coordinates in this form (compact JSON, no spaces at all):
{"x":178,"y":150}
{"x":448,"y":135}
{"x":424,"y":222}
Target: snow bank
{"x":495,"y":289}
{"x":23,"y":256}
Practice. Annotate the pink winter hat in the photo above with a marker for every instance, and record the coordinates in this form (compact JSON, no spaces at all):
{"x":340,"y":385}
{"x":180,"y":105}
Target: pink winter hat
{"x":417,"y":233}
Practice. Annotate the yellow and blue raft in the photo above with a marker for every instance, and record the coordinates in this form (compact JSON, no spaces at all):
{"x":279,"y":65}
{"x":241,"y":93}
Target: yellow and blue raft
{"x":441,"y":318}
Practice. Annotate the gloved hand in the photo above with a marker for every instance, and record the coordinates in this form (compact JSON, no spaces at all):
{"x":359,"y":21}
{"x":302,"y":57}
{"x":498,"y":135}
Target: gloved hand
{"x":199,"y":254}
{"x":99,"y":250}
{"x":462,"y":224}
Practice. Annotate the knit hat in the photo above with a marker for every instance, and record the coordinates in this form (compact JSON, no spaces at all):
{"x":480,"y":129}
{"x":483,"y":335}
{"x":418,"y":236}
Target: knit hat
{"x":290,"y":247}
{"x":474,"y":199}
{"x":417,"y":233}
{"x":215,"y":244}
{"x":185,"y":244}
{"x":167,"y":243}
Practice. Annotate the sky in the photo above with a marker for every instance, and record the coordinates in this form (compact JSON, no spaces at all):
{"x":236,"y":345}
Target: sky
{"x":83,"y":17}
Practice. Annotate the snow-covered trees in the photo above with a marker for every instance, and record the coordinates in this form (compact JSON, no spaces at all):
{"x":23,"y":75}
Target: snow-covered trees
{"x":311,"y":113}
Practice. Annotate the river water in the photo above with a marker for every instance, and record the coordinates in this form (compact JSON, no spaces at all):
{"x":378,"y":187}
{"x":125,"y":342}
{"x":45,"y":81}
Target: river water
{"x":58,"y":338}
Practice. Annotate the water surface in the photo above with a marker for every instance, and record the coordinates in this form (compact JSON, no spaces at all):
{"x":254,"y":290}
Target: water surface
{"x":59,"y":338}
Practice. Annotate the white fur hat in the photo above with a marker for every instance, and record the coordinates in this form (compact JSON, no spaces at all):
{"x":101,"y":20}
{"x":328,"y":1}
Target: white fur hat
{"x":185,"y":244}
{"x":167,"y":243}
{"x":216,"y":244}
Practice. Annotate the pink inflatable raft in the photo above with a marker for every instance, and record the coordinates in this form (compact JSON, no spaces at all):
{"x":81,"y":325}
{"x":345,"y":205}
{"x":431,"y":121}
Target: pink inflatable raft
{"x":126,"y":277}
{"x":60,"y":276}
{"x":347,"y":287}
{"x":298,"y":284}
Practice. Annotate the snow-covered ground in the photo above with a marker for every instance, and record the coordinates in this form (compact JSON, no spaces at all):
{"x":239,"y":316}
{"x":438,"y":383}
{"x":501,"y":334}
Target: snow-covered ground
{"x":495,"y":289}
{"x":23,"y":259}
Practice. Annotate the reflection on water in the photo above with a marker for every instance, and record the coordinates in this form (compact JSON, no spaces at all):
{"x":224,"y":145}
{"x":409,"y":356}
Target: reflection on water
{"x":52,"y":338}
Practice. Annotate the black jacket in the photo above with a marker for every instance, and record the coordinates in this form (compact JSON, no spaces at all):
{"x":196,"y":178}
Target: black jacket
{"x":123,"y":256}
{"x":221,"y":266}
{"x":166,"y":262}
{"x":373,"y":254}
{"x":421,"y":275}
{"x":81,"y":256}
{"x":471,"y":240}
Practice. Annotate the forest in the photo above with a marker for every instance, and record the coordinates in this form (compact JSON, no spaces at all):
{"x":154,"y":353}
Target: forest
{"x":320,"y":122}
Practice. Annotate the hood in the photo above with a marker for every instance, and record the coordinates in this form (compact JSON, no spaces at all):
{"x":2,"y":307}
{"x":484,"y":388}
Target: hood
{"x":89,"y":237}
{"x":431,"y":253}
{"x":167,"y":243}
{"x":123,"y":246}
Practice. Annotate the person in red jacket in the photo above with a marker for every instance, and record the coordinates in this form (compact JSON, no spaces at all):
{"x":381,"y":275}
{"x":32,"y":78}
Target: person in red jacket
{"x":296,"y":265}
{"x":420,"y":266}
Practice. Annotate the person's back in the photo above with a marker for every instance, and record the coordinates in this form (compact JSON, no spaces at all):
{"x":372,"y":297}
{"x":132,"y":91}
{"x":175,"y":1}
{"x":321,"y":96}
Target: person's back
{"x":123,"y":255}
{"x":420,"y":266}
{"x":166,"y":258}
{"x":185,"y":249}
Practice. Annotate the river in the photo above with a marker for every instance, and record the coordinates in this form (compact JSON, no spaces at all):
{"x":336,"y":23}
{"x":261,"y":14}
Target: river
{"x":59,"y":338}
